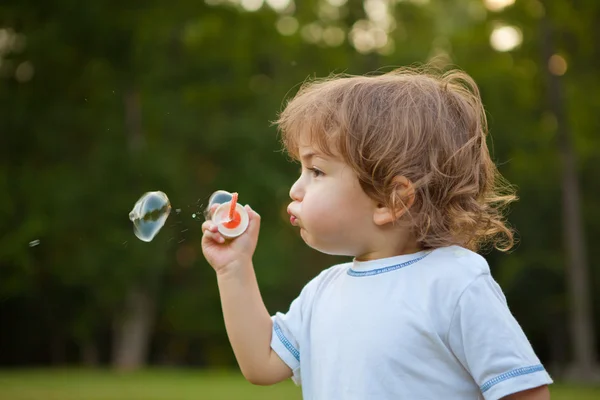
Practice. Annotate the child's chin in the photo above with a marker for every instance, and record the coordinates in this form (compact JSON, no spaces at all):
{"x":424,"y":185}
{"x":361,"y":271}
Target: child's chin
{"x":322,"y":248}
{"x":309,"y":240}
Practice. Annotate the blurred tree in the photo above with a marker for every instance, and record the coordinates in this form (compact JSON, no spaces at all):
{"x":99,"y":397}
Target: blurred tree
{"x":584,"y":366}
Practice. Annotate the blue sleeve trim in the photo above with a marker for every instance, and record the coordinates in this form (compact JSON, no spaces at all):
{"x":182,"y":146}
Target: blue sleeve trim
{"x":509,"y":375}
{"x":286,"y":342}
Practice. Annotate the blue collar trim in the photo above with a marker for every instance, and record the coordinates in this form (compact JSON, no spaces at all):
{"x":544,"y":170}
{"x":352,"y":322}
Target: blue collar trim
{"x":383,"y":270}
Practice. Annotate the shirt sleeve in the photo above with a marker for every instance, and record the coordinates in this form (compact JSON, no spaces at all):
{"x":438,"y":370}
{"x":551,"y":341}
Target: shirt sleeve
{"x":490,"y":343}
{"x":286,"y":337}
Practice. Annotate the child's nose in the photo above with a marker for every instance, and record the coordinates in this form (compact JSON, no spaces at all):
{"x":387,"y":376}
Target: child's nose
{"x":296,"y":192}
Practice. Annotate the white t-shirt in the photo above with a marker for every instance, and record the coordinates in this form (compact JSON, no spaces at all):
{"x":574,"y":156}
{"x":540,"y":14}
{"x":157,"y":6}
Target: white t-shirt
{"x":426,"y":326}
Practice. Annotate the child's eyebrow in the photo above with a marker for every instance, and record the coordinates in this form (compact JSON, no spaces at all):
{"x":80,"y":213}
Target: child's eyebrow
{"x":306,"y":157}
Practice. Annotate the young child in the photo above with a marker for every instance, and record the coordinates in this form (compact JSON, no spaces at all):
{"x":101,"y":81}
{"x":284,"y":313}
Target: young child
{"x":396,"y":173}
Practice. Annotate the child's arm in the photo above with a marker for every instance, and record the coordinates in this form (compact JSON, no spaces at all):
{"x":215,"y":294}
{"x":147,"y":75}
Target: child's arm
{"x":247,"y":321}
{"x":249,"y":327}
{"x":538,"y":393}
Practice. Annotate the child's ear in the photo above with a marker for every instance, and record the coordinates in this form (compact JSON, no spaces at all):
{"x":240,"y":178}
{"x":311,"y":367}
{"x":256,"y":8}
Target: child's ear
{"x":403,"y":199}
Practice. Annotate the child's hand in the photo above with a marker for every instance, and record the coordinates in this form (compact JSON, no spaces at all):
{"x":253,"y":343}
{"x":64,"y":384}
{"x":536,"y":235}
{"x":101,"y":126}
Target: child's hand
{"x":223,"y":254}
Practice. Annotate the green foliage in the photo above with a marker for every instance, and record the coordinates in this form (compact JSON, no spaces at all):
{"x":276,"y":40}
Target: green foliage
{"x":208,"y":80}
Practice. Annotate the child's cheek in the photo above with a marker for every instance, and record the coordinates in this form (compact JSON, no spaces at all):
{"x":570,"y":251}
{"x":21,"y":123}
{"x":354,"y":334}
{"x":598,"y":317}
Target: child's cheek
{"x":326,"y":222}
{"x":319,"y":211}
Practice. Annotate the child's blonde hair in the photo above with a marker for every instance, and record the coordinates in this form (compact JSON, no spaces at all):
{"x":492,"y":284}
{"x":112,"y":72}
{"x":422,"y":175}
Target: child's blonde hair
{"x":426,"y":126}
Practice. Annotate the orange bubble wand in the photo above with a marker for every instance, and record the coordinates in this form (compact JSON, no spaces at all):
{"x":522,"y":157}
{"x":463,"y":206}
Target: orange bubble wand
{"x":234,"y":217}
{"x":234,"y":197}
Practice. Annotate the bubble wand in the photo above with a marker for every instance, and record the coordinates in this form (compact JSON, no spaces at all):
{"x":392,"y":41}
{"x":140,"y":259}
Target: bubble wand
{"x":234,"y":197}
{"x":231,"y":218}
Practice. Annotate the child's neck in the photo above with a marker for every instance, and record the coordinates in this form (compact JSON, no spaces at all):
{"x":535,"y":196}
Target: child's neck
{"x":401,"y":248}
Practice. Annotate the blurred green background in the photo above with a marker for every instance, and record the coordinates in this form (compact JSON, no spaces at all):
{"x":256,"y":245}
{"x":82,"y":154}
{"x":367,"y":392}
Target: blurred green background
{"x":102,"y":101}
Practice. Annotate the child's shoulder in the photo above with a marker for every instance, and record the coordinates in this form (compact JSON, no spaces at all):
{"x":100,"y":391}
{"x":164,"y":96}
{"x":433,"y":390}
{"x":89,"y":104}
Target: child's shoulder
{"x":459,"y":260}
{"x":452,"y":269}
{"x":329,"y":274}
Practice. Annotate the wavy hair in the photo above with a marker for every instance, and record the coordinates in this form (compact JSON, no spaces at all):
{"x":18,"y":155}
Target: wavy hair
{"x":425,"y":125}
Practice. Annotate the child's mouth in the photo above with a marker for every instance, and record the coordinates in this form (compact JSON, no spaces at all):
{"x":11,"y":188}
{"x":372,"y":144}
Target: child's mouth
{"x":293,"y":218}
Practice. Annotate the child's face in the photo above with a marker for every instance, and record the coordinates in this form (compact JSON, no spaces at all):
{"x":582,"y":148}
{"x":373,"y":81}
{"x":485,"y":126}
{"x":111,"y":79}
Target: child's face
{"x":334,"y":214}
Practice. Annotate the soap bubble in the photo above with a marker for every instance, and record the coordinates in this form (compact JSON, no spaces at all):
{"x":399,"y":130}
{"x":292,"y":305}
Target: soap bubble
{"x":218,"y":197}
{"x":149,"y":214}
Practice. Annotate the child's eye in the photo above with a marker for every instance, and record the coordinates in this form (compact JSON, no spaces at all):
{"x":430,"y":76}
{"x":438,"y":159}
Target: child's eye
{"x":316,"y":172}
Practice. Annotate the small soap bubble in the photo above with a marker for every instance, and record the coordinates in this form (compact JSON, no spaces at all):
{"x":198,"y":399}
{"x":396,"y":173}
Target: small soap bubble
{"x":218,"y":197}
{"x":149,"y":214}
{"x":34,"y":243}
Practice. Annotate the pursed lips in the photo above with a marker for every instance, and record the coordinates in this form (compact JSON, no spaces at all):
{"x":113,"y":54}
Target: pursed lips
{"x":293,"y":217}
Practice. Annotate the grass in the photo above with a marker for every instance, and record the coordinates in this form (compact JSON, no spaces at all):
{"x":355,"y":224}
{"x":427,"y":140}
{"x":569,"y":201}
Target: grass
{"x":82,"y":384}
{"x":48,"y":384}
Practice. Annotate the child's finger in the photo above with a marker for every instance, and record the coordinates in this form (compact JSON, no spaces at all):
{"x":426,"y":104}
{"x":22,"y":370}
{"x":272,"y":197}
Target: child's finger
{"x":215,"y":237}
{"x":209,"y":226}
